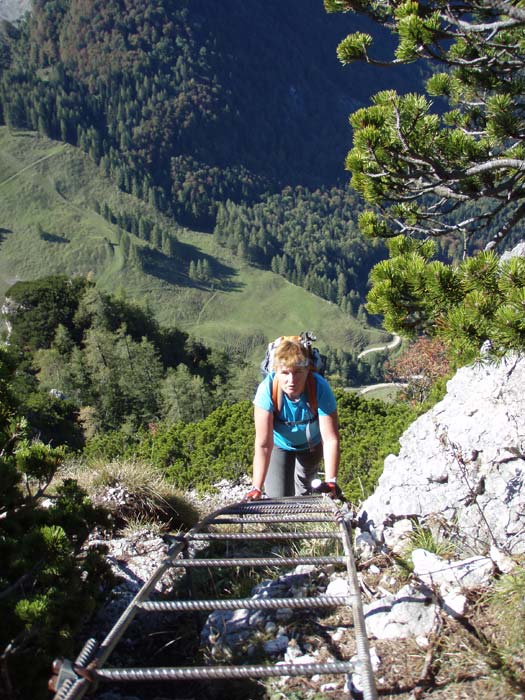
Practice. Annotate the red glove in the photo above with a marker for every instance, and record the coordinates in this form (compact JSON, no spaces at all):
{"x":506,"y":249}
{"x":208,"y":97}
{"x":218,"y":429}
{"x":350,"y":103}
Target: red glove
{"x":253,"y":495}
{"x":333,"y":493}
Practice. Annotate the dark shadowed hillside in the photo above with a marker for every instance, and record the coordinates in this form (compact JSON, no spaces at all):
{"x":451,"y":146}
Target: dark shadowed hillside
{"x":190,"y":103}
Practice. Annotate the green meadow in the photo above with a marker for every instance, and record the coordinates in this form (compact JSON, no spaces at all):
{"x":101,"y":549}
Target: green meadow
{"x":50,"y":196}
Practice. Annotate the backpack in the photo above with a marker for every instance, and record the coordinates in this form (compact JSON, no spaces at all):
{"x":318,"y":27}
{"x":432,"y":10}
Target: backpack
{"x":317,"y":364}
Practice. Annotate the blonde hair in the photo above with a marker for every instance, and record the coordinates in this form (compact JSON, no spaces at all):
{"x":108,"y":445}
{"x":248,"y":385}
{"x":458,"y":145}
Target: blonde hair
{"x":291,"y":353}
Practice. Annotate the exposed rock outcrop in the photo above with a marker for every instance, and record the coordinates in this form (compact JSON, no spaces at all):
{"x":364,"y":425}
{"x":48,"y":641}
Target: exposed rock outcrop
{"x":461,"y":467}
{"x":13,"y":10}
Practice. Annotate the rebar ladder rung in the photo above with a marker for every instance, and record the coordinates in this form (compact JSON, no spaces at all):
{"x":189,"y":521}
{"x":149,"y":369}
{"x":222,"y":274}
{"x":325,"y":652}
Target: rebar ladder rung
{"x":292,"y":518}
{"x":182,"y":553}
{"x":243,"y":604}
{"x":257,"y":561}
{"x":225,"y":672}
{"x":253,"y":536}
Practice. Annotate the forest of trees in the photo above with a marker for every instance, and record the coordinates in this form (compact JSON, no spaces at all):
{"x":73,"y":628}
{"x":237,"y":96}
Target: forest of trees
{"x":308,"y":237}
{"x":105,"y":358}
{"x":179,"y":106}
{"x":179,"y":109}
{"x":179,"y":102}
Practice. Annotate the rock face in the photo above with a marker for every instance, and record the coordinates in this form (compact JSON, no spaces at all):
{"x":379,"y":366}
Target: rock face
{"x":13,"y":10}
{"x":462,"y":464}
{"x":409,"y":612}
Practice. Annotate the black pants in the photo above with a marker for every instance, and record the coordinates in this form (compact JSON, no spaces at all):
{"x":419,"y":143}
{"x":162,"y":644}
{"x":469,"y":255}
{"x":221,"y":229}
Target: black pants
{"x":290,"y":472}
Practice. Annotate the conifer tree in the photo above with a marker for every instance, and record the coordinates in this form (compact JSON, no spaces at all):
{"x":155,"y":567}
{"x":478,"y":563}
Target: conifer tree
{"x":429,"y":174}
{"x":418,"y":166}
{"x":47,"y":585}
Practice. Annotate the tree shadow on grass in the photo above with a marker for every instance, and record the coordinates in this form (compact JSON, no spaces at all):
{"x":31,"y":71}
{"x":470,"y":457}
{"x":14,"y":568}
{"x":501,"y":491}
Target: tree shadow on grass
{"x":175,"y":269}
{"x":3,"y":234}
{"x":53,"y":238}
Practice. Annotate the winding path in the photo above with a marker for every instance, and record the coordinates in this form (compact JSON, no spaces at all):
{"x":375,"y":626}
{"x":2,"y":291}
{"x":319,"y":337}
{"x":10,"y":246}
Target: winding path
{"x":31,"y":165}
{"x":378,"y":348}
{"x":383,"y":385}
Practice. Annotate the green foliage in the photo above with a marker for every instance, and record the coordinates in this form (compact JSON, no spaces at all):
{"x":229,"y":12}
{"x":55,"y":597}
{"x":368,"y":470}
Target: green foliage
{"x":47,"y":586}
{"x":370,"y":430}
{"x":191,"y":455}
{"x":106,"y":355}
{"x":407,"y":152}
{"x":185,"y":397}
{"x":407,"y":287}
{"x":110,"y":445}
{"x":507,"y":616}
{"x":219,"y":447}
{"x":53,"y":419}
{"x":41,"y":306}
{"x":481,"y":299}
{"x":353,"y":47}
{"x":453,"y":169}
{"x":422,"y":538}
{"x":310,"y":238}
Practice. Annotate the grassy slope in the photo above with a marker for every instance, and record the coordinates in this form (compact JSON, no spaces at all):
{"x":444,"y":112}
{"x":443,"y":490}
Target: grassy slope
{"x":48,"y":225}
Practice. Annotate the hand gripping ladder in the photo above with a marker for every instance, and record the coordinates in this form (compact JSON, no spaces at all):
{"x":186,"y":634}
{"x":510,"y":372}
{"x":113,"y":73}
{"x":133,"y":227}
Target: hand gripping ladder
{"x":285,"y":519}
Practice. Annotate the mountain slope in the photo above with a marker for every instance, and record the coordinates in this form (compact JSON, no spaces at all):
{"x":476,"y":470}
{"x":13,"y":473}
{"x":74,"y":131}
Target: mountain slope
{"x":193,"y":103}
{"x":52,"y":204}
{"x":183,"y":106}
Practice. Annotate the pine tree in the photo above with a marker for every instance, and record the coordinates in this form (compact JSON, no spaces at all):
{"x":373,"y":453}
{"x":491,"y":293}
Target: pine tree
{"x":47,"y":587}
{"x":419,"y":166}
{"x":421,"y":170}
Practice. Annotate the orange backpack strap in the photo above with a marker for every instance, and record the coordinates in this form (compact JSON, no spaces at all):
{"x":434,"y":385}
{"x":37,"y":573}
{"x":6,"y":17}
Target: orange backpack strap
{"x":277,"y":396}
{"x":311,"y":391}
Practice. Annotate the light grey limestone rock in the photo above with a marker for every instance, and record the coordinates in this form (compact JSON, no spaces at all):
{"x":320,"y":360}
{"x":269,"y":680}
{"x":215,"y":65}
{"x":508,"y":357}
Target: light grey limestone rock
{"x":408,"y":613}
{"x":502,"y":561}
{"x":338,"y":587}
{"x":397,"y":536}
{"x":464,"y":574}
{"x":452,"y":579}
{"x":13,"y":10}
{"x":463,"y":463}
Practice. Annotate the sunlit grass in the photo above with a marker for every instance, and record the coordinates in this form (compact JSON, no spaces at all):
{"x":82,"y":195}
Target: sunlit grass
{"x":49,"y":195}
{"x":423,"y":538}
{"x":506,"y":610}
{"x":149,"y":498}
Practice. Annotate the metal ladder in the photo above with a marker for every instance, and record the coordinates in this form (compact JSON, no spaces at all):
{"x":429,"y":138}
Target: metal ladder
{"x":286,"y":519}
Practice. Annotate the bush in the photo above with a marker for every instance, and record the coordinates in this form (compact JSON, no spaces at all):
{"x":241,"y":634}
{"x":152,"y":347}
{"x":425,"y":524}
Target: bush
{"x":197,"y":455}
{"x":47,"y":585}
{"x":191,"y":455}
{"x":370,"y":430}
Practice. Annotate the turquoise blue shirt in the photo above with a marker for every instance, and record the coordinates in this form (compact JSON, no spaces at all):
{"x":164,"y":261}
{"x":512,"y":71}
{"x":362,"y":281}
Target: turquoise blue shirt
{"x":293,"y":437}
